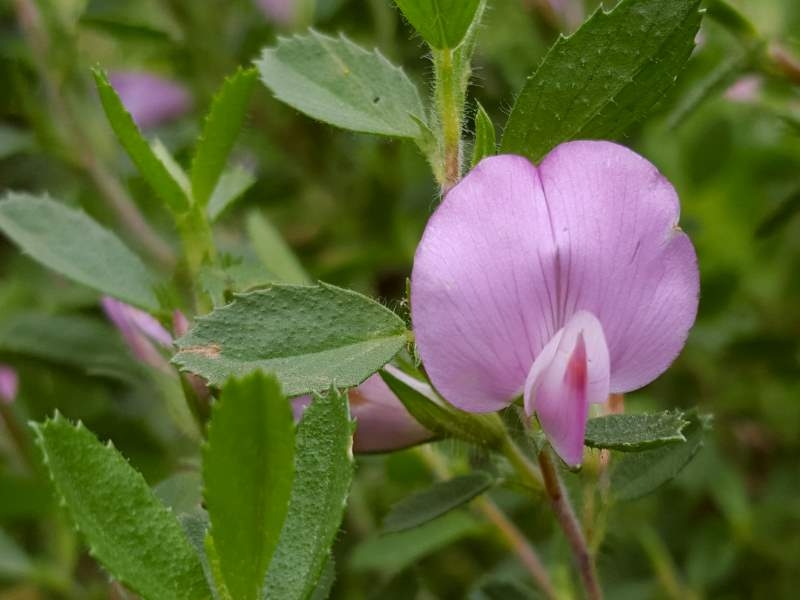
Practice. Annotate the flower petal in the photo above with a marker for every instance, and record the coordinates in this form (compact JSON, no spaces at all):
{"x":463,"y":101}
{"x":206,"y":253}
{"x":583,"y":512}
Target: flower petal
{"x":480,"y":297}
{"x":622,"y":257}
{"x":9,"y":383}
{"x":513,"y":252}
{"x":571,"y":372}
{"x":382,"y":422}
{"x":151,"y":100}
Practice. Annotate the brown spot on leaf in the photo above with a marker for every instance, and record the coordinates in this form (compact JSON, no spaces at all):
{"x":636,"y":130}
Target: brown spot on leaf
{"x":208,"y":350}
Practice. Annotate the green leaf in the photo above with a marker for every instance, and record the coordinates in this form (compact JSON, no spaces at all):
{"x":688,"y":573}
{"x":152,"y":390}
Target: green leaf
{"x":637,"y":474}
{"x":633,"y":433}
{"x":180,"y":492}
{"x":603,"y":78}
{"x":84,"y":343}
{"x":442,"y":23}
{"x":338,"y":82}
{"x":126,"y":527}
{"x":309,"y":336}
{"x":273,"y":251}
{"x":173,"y":168}
{"x":150,"y":167}
{"x":248,"y":467}
{"x":485,"y":137}
{"x":70,"y":243}
{"x":438,"y":499}
{"x":396,"y":551}
{"x":195,"y":526}
{"x":446,"y":420}
{"x":221,"y":129}
{"x":323,"y":471}
{"x":230,"y":187}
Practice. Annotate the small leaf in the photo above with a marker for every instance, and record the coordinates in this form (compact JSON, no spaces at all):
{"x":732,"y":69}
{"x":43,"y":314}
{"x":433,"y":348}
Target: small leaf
{"x":603,"y":78}
{"x":70,"y":243}
{"x":221,"y":129}
{"x":175,"y":170}
{"x":440,"y":498}
{"x":446,"y":420}
{"x":150,"y":167}
{"x":278,"y":330}
{"x":273,"y":251}
{"x":231,"y":186}
{"x":338,"y":82}
{"x":395,"y":551}
{"x":485,"y":137}
{"x":442,"y":23}
{"x":248,"y":467}
{"x":637,"y":474}
{"x":126,"y":527}
{"x":633,"y":433}
{"x":323,"y":471}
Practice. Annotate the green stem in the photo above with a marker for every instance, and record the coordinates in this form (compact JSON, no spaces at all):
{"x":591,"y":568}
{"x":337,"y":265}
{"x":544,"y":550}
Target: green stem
{"x":526,"y":470}
{"x":198,"y":245}
{"x":559,"y":501}
{"x":509,"y":532}
{"x":449,"y":98}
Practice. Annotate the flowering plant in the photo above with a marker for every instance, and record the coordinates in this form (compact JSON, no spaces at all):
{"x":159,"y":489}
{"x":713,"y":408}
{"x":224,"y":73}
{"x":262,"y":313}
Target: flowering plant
{"x":550,"y":278}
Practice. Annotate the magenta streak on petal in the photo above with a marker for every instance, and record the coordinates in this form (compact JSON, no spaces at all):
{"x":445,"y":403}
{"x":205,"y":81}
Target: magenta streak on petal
{"x":151,"y":99}
{"x":571,"y":372}
{"x":382,"y":422}
{"x":9,"y":383}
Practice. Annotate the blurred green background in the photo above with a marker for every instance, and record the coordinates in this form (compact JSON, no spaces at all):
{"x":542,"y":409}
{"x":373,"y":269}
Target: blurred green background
{"x":353,"y":208}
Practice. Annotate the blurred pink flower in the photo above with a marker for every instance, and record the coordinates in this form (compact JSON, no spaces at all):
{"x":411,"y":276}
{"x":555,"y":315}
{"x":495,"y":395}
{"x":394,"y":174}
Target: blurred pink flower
{"x":144,"y":335}
{"x":280,"y":12}
{"x":382,"y":422}
{"x":745,"y":89}
{"x":562,"y":282}
{"x":9,"y":383}
{"x":151,"y":99}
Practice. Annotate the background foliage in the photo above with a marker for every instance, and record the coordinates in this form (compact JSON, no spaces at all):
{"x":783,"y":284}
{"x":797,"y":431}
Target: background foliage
{"x":353,"y":208}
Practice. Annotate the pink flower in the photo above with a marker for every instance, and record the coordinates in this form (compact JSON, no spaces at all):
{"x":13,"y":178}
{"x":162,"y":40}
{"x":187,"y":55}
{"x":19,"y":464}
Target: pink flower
{"x":280,"y":12}
{"x":151,"y":100}
{"x":746,"y":89}
{"x":144,"y":334}
{"x":563,"y":282}
{"x":382,"y":422}
{"x":9,"y":383}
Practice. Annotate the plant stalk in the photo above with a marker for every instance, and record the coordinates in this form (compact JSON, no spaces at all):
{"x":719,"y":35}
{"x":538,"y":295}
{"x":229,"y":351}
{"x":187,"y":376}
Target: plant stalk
{"x":509,"y":532}
{"x":559,"y":500}
{"x":449,"y":99}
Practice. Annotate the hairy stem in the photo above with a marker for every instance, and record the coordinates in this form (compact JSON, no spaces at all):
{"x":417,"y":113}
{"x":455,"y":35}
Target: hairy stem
{"x":559,"y":500}
{"x":450,"y":107}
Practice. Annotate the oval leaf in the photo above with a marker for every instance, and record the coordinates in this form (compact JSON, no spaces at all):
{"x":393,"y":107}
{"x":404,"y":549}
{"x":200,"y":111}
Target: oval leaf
{"x":632,"y":433}
{"x":442,"y":23}
{"x":280,"y":330}
{"x":248,"y":467}
{"x":69,"y":242}
{"x":127,"y":528}
{"x":635,"y":475}
{"x":338,"y":82}
{"x":440,"y":498}
{"x":323,"y":471}
{"x":603,"y":78}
